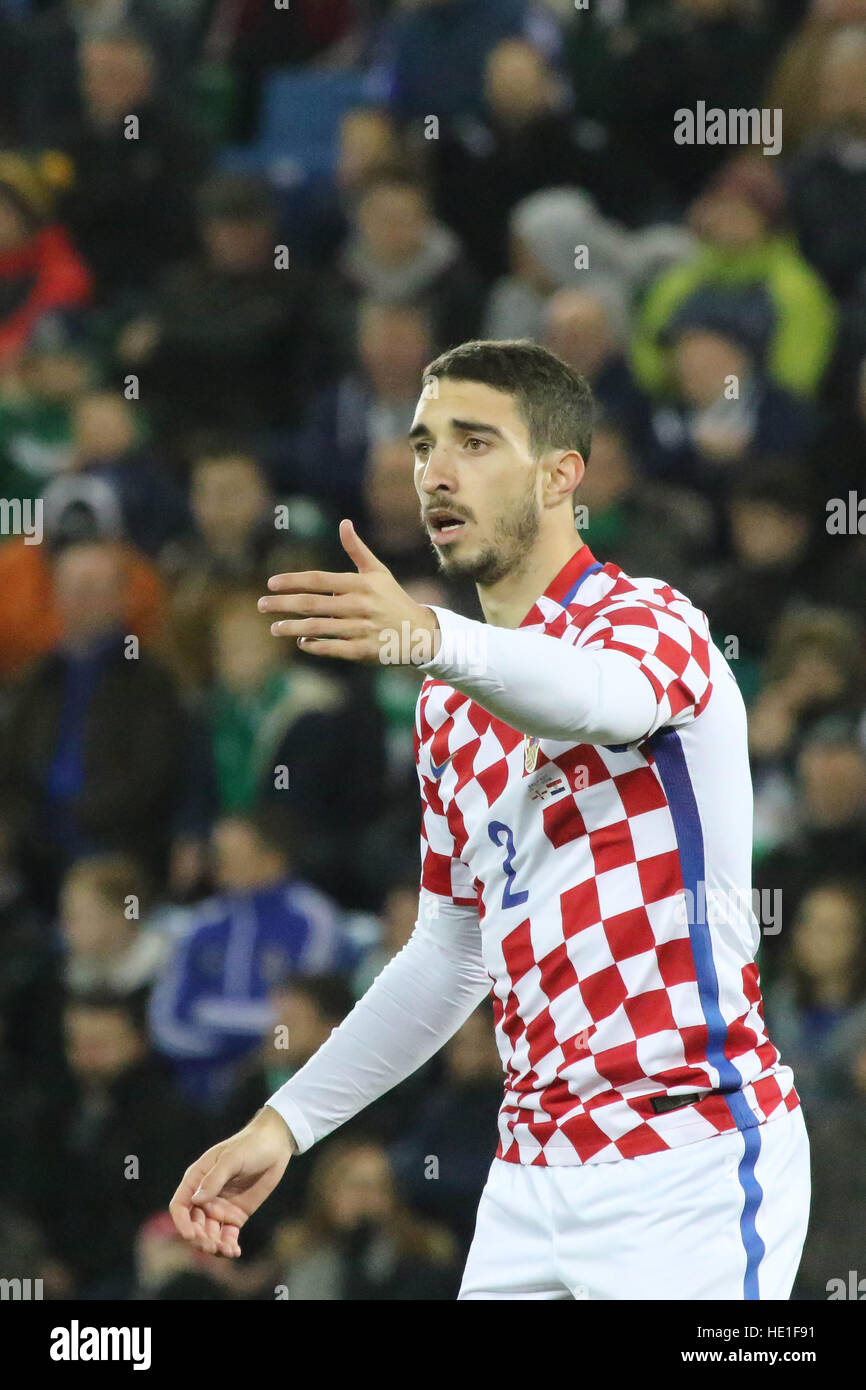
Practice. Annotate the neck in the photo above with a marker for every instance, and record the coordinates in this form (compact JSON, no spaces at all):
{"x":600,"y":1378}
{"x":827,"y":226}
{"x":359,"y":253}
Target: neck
{"x":506,"y":603}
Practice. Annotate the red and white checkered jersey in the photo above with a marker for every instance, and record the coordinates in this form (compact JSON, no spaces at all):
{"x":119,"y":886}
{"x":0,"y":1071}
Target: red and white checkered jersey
{"x":613,"y":889}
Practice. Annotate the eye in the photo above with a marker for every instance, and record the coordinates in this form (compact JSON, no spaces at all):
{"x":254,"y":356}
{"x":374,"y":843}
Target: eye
{"x":480,"y":442}
{"x":421,"y":451}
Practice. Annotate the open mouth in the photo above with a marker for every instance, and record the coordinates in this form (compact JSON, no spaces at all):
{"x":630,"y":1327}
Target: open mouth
{"x":443,"y":525}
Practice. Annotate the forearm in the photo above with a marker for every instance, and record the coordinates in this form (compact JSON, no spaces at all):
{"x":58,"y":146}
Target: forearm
{"x":412,"y":1008}
{"x":543,"y":686}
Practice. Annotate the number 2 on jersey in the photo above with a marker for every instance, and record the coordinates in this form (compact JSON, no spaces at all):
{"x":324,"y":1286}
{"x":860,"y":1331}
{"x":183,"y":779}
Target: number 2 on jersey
{"x":503,"y":834}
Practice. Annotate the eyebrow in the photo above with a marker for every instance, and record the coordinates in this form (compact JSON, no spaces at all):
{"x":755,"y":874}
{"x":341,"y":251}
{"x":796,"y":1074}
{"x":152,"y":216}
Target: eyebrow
{"x":421,"y":431}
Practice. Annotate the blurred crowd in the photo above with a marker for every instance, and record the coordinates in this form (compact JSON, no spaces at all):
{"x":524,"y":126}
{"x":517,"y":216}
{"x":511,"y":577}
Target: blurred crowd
{"x":209,"y":353}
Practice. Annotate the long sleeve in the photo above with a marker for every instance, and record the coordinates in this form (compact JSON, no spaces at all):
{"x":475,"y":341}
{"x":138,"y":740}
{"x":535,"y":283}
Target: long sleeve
{"x":412,"y":1008}
{"x":177,"y":1029}
{"x":543,"y":686}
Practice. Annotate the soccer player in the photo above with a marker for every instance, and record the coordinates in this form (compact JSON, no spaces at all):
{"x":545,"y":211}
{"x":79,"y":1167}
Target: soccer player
{"x":586,"y":854}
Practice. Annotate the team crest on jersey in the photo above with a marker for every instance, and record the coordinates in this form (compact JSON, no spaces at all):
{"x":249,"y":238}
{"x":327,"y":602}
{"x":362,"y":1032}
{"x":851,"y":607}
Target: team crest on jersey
{"x":530,"y":754}
{"x":545,"y":787}
{"x":548,"y":784}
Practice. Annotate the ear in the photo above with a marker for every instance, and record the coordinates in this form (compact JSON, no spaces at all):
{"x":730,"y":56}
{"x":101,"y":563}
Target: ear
{"x":563,"y":474}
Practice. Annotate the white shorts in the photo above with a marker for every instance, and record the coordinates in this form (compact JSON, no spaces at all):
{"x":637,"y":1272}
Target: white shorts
{"x":723,"y":1218}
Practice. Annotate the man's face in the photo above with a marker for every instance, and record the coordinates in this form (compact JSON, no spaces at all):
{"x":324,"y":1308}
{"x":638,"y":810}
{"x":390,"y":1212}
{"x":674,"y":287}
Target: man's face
{"x":393,"y":345}
{"x":703,"y":362}
{"x":101,"y":1044}
{"x":90,"y":925}
{"x":578,"y":330}
{"x":306,"y":1028}
{"x":244,"y":650}
{"x":842,"y":90}
{"x":477,"y":479}
{"x":364,"y":1192}
{"x":833,"y":780}
{"x":104,"y":426}
{"x":90,"y":589}
{"x":826,"y":932}
{"x":241,"y":861}
{"x":367,"y":139}
{"x":228,"y":497}
{"x":238,"y":245}
{"x":517,"y":84}
{"x":388,"y":490}
{"x":394,"y":221}
{"x":727,"y":221}
{"x":116,"y":78}
{"x":766,"y":536}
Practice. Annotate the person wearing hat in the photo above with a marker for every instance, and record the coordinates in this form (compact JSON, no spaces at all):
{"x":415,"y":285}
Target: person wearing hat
{"x":40,"y":271}
{"x":78,"y":508}
{"x":546,"y":231}
{"x":739,"y":221}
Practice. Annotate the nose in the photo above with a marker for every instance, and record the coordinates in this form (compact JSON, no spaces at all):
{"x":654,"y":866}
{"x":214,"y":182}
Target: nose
{"x":437,"y":473}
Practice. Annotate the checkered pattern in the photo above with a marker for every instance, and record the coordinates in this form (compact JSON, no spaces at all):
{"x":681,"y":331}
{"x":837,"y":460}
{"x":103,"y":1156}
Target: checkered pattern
{"x":575,"y":870}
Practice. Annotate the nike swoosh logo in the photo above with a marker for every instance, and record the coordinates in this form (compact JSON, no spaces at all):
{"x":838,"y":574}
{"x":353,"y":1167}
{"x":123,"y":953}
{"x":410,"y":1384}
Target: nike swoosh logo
{"x":437,"y":771}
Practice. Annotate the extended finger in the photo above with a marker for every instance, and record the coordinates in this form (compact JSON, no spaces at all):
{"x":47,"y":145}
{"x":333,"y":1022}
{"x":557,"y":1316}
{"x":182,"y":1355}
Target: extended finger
{"x":344,"y":628}
{"x":313,"y":605}
{"x":315,"y":582}
{"x":358,"y":650}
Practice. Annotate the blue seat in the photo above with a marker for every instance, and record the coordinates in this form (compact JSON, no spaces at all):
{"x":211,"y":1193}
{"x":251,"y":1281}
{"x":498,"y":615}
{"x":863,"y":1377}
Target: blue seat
{"x":300,"y":119}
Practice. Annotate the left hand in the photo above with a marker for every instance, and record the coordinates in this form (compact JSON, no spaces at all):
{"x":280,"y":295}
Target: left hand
{"x":360,"y":616}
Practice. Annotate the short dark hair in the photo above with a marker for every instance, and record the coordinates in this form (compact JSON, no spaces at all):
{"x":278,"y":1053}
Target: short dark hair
{"x":330,"y":994}
{"x":236,"y":196}
{"x":112,"y":878}
{"x":784,"y":482}
{"x":276,"y":828}
{"x":555,"y":402}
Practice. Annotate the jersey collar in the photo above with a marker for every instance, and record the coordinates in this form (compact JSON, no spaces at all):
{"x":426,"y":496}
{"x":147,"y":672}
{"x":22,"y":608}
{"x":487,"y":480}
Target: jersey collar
{"x":563,"y":587}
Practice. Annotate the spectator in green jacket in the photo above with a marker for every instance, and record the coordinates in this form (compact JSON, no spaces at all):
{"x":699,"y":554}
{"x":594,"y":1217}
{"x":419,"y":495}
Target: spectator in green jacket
{"x":739,"y":220}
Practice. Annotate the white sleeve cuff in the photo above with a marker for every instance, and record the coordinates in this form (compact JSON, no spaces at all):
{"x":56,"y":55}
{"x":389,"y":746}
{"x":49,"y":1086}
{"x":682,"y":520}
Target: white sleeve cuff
{"x":298,"y":1127}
